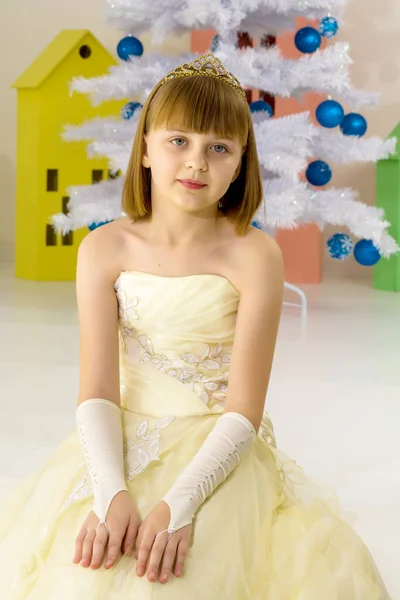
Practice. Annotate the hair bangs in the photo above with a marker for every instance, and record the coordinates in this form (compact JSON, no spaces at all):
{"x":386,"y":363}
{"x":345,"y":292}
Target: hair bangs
{"x":202,"y":105}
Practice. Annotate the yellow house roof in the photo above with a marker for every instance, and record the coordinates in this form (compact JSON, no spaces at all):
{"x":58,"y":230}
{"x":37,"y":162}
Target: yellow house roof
{"x":50,"y":58}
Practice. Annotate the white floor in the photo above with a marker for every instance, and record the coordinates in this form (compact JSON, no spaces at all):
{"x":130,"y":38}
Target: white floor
{"x":334,"y":396}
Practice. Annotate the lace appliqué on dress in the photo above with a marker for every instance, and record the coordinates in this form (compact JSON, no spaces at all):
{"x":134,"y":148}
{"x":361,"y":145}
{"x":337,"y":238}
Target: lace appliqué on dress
{"x":127,"y":313}
{"x":82,"y":490}
{"x":145,"y":448}
{"x":188,"y":368}
{"x":137,"y":456}
{"x":291,"y":475}
{"x":300,"y":489}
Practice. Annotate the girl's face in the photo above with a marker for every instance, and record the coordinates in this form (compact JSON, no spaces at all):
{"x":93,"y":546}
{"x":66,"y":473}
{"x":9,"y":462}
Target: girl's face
{"x":174,"y":155}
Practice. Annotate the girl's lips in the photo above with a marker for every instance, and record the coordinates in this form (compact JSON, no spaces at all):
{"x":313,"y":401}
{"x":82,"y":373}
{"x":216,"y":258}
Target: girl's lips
{"x":191,"y":185}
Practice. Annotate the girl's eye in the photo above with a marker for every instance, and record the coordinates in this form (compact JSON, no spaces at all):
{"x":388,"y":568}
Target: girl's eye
{"x":178,"y":139}
{"x":220,"y":146}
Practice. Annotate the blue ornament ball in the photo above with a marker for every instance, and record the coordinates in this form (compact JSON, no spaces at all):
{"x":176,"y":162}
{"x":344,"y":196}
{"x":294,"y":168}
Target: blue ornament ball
{"x":129,"y":108}
{"x":214,"y":43}
{"x":330,"y":113}
{"x":328,"y":27}
{"x":93,"y":226}
{"x":340,"y":246}
{"x":318,"y":173}
{"x":261,"y":106}
{"x":354,"y":124}
{"x":257,"y":225}
{"x":129,"y":46}
{"x":366,"y":254}
{"x":307,"y":40}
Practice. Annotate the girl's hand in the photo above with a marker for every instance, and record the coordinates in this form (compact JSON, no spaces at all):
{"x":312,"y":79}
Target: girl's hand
{"x":161,"y":551}
{"x":123,"y":522}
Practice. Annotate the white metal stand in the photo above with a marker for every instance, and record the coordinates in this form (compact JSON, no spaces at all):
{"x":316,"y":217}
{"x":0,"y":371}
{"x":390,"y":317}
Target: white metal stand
{"x":303,"y":303}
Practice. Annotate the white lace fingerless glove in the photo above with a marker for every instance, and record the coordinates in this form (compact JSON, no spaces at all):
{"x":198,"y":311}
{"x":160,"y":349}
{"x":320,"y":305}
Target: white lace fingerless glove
{"x":100,"y":431}
{"x":220,"y":454}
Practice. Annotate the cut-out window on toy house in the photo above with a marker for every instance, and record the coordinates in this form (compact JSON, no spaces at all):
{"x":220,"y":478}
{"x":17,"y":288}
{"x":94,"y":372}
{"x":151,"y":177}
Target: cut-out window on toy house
{"x":52,"y":180}
{"x":97,"y":175}
{"x":51,"y":236}
{"x":65,"y":201}
{"x":85,"y":51}
{"x":113,"y":174}
{"x":68,"y":238}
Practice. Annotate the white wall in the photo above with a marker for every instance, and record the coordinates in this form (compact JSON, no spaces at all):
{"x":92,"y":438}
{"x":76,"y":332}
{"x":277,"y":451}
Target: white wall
{"x":27,"y":26}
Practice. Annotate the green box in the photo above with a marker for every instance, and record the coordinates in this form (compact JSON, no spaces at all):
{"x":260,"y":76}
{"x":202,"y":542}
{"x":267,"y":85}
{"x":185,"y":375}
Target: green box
{"x":387,"y":271}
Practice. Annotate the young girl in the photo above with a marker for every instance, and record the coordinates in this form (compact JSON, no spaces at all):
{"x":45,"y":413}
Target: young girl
{"x":173,"y":486}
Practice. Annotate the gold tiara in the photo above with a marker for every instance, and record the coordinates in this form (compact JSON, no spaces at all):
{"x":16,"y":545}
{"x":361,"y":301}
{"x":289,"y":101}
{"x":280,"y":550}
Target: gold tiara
{"x":209,"y":65}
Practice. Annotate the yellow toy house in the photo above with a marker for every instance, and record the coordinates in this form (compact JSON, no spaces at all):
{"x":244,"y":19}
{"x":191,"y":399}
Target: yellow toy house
{"x":46,"y":165}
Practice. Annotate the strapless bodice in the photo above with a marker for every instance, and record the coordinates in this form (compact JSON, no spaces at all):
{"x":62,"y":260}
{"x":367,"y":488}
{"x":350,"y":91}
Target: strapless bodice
{"x":181,"y":326}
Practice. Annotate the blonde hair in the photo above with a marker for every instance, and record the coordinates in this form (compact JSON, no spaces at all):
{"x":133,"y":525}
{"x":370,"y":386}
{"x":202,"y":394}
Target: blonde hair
{"x":201,"y":104}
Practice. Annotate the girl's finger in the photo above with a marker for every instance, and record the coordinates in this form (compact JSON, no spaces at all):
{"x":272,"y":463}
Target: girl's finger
{"x":168,"y":558}
{"x":114,"y":548}
{"x":130,"y":538}
{"x":88,"y":548}
{"x":183,"y":549}
{"x":146,"y":544}
{"x":156,"y":556}
{"x":99,"y":545}
{"x":138,"y":541}
{"x":78,"y":546}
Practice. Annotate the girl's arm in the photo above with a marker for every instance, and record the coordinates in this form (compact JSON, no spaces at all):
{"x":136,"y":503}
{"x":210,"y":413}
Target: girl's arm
{"x":261,"y":297}
{"x":261,"y":289}
{"x":98,"y":316}
{"x":98,"y":414}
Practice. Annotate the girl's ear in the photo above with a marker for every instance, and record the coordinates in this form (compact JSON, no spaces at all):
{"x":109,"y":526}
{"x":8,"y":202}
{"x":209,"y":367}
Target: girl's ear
{"x":145,"y":158}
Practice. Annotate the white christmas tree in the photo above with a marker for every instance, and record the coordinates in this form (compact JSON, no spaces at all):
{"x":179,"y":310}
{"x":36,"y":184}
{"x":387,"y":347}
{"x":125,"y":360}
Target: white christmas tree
{"x":285,"y":145}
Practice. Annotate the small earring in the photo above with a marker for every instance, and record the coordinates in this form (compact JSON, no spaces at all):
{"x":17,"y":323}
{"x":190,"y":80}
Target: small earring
{"x":220,"y":204}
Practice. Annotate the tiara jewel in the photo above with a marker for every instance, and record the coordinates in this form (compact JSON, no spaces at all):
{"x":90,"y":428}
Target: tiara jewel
{"x":209,"y":65}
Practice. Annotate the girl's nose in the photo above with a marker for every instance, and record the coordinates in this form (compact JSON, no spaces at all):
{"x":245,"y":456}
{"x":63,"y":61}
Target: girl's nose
{"x":196,"y":161}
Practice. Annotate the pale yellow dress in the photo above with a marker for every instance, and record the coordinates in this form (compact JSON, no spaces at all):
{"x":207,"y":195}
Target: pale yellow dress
{"x":267,"y":533}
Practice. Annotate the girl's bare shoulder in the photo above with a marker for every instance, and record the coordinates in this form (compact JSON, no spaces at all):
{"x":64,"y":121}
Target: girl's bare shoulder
{"x":236,"y":254}
{"x":103,"y":248}
{"x":254,"y":240}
